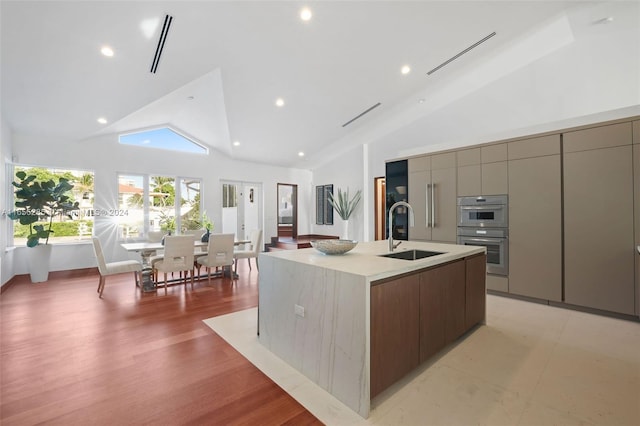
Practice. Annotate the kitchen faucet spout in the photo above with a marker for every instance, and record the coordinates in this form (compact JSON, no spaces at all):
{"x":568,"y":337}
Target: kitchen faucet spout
{"x":390,"y":228}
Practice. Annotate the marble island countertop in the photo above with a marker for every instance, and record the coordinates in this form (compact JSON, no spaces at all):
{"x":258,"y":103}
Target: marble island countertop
{"x":365,"y":259}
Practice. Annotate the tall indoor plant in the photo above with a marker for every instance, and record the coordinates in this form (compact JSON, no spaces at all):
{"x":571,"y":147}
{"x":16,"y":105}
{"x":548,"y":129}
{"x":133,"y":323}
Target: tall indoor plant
{"x":344,"y":206}
{"x":37,"y":200}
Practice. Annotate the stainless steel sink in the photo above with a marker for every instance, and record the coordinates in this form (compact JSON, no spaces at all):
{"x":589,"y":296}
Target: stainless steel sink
{"x":412,"y":254}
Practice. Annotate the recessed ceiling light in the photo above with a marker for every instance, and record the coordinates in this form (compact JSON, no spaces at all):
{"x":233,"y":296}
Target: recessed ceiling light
{"x":421,"y":101}
{"x":102,"y":120}
{"x":280,"y":102}
{"x":305,"y":14}
{"x":236,"y":143}
{"x":301,"y":154}
{"x":149,"y":26}
{"x":190,"y":98}
{"x":406,"y":69}
{"x":106,"y":51}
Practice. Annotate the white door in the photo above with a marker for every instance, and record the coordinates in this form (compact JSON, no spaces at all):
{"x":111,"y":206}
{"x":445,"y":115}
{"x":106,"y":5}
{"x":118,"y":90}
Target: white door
{"x":241,"y":208}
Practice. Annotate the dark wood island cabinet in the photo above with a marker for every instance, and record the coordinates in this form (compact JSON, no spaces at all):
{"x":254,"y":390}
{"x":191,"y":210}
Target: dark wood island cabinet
{"x":416,"y":315}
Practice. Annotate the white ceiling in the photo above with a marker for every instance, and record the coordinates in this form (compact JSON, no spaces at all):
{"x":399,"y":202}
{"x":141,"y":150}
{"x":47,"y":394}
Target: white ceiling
{"x":235,"y":58}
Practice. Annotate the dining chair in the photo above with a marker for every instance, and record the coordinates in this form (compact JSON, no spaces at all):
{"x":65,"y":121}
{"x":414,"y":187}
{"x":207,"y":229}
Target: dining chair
{"x":178,"y":257}
{"x":112,"y":268}
{"x":252,"y":252}
{"x":197,"y":236}
{"x":219,"y":253}
{"x":155,"y":237}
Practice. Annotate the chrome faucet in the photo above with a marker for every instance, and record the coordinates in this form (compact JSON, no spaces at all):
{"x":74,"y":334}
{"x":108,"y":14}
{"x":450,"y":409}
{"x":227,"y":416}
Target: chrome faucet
{"x":411,"y":221}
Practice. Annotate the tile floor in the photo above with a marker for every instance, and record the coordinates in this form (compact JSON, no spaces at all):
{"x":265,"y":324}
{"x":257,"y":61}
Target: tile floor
{"x":530,"y":365}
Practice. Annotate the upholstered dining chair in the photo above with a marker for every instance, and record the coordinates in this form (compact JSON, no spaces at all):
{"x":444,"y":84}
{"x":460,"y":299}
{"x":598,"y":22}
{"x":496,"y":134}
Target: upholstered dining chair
{"x":219,"y":253}
{"x":112,"y":268}
{"x":178,"y":257}
{"x":252,"y":252}
{"x":197,"y":236}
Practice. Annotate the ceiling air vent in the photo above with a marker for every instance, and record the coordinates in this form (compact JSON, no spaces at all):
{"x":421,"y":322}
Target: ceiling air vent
{"x":361,"y":114}
{"x":453,"y":58}
{"x":161,"y":40}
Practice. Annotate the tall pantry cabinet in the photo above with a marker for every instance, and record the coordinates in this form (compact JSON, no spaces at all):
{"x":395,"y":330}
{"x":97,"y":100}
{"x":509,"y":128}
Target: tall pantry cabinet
{"x":636,"y":191}
{"x":598,"y":218}
{"x":535,"y":218}
{"x":432,"y":194}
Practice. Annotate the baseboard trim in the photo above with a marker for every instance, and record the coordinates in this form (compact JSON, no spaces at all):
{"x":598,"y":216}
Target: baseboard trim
{"x":567,"y":306}
{"x":71,"y":273}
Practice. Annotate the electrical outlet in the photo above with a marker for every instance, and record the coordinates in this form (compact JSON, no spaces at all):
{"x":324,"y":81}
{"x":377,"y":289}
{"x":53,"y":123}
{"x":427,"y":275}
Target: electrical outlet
{"x":299,"y":310}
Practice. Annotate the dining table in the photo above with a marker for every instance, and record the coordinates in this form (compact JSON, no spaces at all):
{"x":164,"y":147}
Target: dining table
{"x":148,"y":249}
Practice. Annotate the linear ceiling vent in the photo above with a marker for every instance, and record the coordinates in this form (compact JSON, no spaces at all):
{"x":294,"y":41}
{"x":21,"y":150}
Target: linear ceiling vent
{"x":160,"y":47}
{"x":453,"y":58}
{"x":361,"y":114}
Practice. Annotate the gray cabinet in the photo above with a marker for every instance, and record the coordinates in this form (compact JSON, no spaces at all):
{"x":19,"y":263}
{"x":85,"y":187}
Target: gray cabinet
{"x":494,"y":170}
{"x":418,"y":192}
{"x":636,"y":198}
{"x":432,"y":194}
{"x":535,"y":218}
{"x":598,"y":218}
{"x":495,"y":178}
{"x":469,"y":172}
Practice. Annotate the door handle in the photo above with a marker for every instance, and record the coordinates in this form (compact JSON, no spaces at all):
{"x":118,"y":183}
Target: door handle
{"x":433,"y":205}
{"x":426,"y":204}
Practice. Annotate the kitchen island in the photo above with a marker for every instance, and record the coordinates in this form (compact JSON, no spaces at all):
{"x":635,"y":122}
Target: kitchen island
{"x":356,"y":323}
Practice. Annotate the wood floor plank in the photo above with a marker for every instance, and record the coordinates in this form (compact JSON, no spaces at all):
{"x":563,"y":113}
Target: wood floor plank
{"x":69,"y":357}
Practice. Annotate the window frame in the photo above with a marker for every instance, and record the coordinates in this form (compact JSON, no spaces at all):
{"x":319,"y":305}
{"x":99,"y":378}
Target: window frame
{"x":180,"y":133}
{"x":146,"y":180}
{"x":10,"y":170}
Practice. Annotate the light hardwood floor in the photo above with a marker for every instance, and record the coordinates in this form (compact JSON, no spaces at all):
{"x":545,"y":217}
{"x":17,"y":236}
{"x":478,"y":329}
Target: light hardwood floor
{"x":68,"y":357}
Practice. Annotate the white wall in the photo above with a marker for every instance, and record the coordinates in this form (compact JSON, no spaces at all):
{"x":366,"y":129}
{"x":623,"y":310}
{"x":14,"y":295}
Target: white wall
{"x":106,"y":157}
{"x":6,"y":256}
{"x":343,"y":172}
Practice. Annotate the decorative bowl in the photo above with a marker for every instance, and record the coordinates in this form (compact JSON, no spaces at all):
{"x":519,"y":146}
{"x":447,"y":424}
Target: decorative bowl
{"x":333,"y":246}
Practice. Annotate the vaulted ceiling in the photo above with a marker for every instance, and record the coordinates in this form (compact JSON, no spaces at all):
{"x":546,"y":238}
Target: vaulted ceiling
{"x":224,"y":64}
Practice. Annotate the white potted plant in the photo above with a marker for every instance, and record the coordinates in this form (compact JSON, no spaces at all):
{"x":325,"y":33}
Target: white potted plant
{"x":344,"y":206}
{"x":37,"y":200}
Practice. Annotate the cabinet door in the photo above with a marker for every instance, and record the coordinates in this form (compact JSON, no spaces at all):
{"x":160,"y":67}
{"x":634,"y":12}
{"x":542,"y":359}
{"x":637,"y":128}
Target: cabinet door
{"x":469,"y":180}
{"x":394,"y":330}
{"x":442,"y":307}
{"x":476,"y":293}
{"x":535,"y":228}
{"x":494,"y":178}
{"x":418,"y":192}
{"x":636,"y":197}
{"x":446,"y":212}
{"x":433,"y":313}
{"x":598,"y":228}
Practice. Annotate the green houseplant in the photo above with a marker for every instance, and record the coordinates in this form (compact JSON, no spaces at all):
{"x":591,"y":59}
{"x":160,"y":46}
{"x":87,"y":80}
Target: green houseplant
{"x":344,"y":206}
{"x":37,"y":200}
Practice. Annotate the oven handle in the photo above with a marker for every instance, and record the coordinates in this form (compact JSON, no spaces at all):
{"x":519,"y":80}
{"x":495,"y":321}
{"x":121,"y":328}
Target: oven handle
{"x":481,"y":208}
{"x":484,"y":240}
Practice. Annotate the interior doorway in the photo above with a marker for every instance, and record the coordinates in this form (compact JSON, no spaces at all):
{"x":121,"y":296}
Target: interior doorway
{"x":379,"y":200}
{"x":241,"y":208}
{"x":287,"y":210}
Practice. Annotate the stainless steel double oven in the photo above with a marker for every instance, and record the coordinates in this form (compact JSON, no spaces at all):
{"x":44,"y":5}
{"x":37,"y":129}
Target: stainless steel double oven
{"x":484,"y":221}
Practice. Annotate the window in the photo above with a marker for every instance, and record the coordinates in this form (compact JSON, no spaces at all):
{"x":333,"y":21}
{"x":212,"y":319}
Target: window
{"x":157,"y":203}
{"x":78,"y":224}
{"x":229,"y":195}
{"x":163,"y":138}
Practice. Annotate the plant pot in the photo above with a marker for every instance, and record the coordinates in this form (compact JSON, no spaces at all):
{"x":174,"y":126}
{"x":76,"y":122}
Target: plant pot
{"x":38,"y":258}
